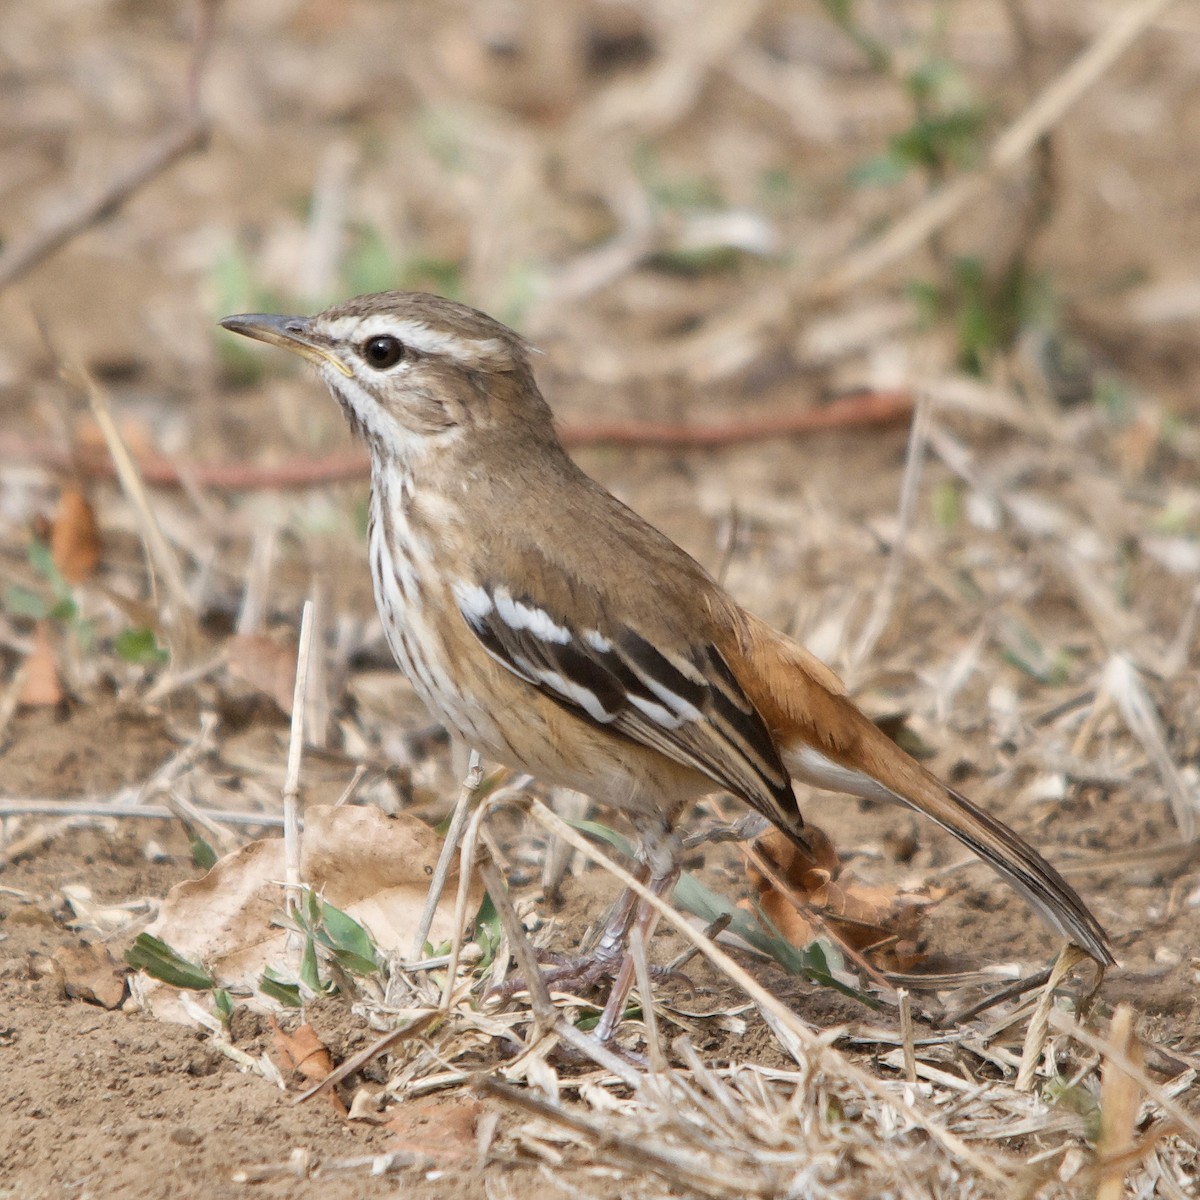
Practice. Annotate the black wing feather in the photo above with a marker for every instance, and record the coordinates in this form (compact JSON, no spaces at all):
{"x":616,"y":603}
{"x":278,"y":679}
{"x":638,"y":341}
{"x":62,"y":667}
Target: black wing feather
{"x":692,"y":709}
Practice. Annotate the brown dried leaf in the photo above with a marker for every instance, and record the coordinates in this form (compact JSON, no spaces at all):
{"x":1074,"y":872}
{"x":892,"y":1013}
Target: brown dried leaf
{"x":803,"y":894}
{"x":373,"y":867}
{"x":43,"y":685}
{"x":303,"y":1052}
{"x":75,"y":537}
{"x":88,"y":972}
{"x":442,"y":1129}
{"x":265,"y":664}
{"x":806,"y":869}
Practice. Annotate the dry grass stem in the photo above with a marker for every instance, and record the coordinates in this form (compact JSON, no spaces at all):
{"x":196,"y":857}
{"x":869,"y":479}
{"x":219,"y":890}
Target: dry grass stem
{"x":1119,"y":1102}
{"x":182,"y":623}
{"x":458,"y":821}
{"x":82,"y":213}
{"x":545,"y":1014}
{"x":906,"y":1035}
{"x":885,"y":596}
{"x":45,"y":806}
{"x":1039,"y":1025}
{"x":291,"y":785}
{"x":1122,"y":682}
{"x":641,"y":966}
{"x":1062,"y":1022}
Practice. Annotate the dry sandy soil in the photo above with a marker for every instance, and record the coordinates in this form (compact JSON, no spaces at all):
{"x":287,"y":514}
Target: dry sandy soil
{"x":1039,"y":637}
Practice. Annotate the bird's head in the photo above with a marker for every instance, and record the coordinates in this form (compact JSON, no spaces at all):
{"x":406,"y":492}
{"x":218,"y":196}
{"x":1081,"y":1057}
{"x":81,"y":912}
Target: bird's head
{"x":409,"y":367}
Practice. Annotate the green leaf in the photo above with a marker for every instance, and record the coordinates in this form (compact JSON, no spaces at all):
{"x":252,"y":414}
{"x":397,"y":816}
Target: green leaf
{"x":42,"y":561}
{"x":486,"y":932}
{"x":813,"y":962}
{"x":947,"y":504}
{"x":346,"y":935}
{"x":882,"y":170}
{"x":310,"y":971}
{"x":277,"y":989}
{"x":223,"y":1003}
{"x":65,"y":610}
{"x":21,"y":602}
{"x":203,"y":855}
{"x":140,"y":648}
{"x":156,"y":958}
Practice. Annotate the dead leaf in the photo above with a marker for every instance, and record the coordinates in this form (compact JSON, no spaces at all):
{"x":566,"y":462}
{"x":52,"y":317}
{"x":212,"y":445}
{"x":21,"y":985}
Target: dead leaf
{"x":43,"y":686}
{"x":303,"y":1052}
{"x":88,"y":972}
{"x":265,"y":664}
{"x":75,"y":537}
{"x":373,"y":867}
{"x":442,"y":1129}
{"x":802,"y":894}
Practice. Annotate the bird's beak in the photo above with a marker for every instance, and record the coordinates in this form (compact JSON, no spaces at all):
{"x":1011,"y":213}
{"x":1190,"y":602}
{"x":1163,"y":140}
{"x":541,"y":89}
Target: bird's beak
{"x":290,"y":333}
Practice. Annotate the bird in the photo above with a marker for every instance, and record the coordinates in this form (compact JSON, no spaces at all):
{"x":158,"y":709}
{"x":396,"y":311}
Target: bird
{"x":554,"y":630}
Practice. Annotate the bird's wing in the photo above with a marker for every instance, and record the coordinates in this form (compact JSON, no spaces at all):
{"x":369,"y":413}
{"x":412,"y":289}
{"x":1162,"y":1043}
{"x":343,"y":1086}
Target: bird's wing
{"x":680,"y":699}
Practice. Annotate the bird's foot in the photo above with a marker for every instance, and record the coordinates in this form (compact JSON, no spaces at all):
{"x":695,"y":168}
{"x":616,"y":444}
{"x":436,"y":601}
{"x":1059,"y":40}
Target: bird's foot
{"x":578,"y":974}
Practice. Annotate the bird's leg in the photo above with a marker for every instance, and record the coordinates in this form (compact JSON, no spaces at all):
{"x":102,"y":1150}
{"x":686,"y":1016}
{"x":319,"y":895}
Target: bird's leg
{"x":625,"y":910}
{"x":662,"y":880}
{"x":658,"y":868}
{"x":580,"y":971}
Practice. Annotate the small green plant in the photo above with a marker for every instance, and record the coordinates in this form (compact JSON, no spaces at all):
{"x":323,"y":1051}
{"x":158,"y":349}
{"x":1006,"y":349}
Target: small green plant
{"x":163,"y":962}
{"x":332,"y":940}
{"x":946,"y":132}
{"x":987,"y":306}
{"x":54,"y":601}
{"x":1075,"y":1099}
{"x":487,"y":933}
{"x":139,"y":648}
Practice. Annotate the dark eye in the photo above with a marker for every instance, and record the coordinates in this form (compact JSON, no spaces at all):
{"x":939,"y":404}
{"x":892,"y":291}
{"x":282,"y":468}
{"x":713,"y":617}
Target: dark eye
{"x":383,"y":351}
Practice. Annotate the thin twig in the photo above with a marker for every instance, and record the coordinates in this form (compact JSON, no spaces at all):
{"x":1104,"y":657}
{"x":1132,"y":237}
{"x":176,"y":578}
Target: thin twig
{"x":937,"y":210}
{"x":352,"y":788}
{"x":771,"y":308}
{"x":462,"y":811}
{"x":84,"y":213}
{"x":906,"y":1035}
{"x":380,"y":1046}
{"x":291,"y":786}
{"x":158,"y":549}
{"x":665,"y":1161}
{"x":102,"y":808}
{"x":910,"y":485}
{"x":867,"y":408}
{"x":637,"y":950}
{"x":1064,"y":1023}
{"x":545,"y":1014}
{"x":466,"y":866}
{"x":1035,"y":1038}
